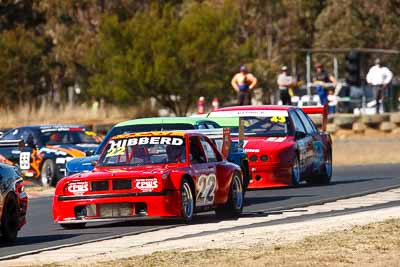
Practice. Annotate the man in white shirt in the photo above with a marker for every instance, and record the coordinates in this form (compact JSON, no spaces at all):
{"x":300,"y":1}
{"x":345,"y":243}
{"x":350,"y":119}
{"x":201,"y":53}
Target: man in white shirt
{"x":379,"y":78}
{"x":284,"y":82}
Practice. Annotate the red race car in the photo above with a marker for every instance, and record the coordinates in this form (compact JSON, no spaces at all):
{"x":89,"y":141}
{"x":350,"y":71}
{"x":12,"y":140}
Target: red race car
{"x":282,"y":143}
{"x":158,"y":174}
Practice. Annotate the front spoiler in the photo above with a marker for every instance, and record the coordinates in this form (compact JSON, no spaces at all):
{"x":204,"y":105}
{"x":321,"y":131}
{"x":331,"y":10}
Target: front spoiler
{"x":118,"y":219}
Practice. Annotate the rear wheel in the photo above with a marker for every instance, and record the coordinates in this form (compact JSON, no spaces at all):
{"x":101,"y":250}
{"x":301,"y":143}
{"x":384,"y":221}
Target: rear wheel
{"x":70,"y":226}
{"x":234,"y":206}
{"x":187,"y":201}
{"x":327,"y":169}
{"x":48,"y":173}
{"x":296,"y":172}
{"x":9,"y":220}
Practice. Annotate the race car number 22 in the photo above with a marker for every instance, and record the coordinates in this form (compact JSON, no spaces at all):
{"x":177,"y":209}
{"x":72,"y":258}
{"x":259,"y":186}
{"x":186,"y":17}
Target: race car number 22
{"x":206,"y":185}
{"x":115,"y":151}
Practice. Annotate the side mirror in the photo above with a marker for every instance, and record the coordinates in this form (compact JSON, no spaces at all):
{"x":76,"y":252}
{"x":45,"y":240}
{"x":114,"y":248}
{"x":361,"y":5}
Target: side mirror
{"x":89,"y":153}
{"x":299,"y":135}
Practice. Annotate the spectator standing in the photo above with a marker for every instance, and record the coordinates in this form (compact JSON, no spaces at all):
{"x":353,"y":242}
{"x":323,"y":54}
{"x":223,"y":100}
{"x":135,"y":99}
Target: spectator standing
{"x":379,"y":79}
{"x":243,"y":82}
{"x":322,"y":79}
{"x":285,"y":81}
{"x":332,"y":101}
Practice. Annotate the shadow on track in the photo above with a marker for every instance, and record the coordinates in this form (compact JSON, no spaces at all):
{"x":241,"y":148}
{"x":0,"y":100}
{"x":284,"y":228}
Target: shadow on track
{"x":253,"y":200}
{"x":28,"y":240}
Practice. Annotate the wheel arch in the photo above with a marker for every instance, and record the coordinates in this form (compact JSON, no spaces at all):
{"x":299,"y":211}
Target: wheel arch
{"x":5,"y":201}
{"x":190,"y":180}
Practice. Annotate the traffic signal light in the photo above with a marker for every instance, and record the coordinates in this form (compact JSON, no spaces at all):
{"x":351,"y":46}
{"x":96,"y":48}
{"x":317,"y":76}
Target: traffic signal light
{"x":353,"y":68}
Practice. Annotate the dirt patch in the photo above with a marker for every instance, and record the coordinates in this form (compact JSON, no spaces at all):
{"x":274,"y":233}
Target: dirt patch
{"x":375,"y":244}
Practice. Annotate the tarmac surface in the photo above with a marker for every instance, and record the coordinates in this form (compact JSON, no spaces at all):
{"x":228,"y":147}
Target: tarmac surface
{"x":41,"y":233}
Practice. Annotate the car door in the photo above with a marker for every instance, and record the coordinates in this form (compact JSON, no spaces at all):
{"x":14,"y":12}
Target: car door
{"x":303,"y":141}
{"x":203,"y":173}
{"x":317,"y":144}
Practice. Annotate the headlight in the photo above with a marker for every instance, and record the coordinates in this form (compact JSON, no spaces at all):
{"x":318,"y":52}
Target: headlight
{"x":264,"y":158}
{"x":253,"y":158}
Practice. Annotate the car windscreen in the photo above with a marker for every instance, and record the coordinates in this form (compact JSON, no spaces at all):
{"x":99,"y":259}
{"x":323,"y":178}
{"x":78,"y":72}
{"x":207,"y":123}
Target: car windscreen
{"x":144,"y":150}
{"x":60,"y":137}
{"x":142,"y":128}
{"x":264,"y":126}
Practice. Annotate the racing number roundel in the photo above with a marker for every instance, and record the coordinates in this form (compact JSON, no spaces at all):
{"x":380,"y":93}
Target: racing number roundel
{"x":207,"y":185}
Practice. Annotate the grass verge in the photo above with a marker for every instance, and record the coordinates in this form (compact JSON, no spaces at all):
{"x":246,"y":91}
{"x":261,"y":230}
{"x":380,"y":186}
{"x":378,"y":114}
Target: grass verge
{"x":370,"y":245}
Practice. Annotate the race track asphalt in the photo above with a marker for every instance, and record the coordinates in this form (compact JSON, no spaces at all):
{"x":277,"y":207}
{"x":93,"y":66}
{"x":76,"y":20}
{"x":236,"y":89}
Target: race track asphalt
{"x":40,"y":231}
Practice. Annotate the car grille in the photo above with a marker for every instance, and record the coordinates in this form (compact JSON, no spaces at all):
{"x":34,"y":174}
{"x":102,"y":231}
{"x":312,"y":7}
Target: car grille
{"x":99,"y":186}
{"x":122,"y":184}
{"x":113,"y":184}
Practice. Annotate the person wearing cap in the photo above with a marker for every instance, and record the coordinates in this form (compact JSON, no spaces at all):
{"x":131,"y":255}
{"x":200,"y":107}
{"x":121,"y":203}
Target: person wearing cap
{"x":243,"y":82}
{"x":379,"y":78}
{"x":284,"y":82}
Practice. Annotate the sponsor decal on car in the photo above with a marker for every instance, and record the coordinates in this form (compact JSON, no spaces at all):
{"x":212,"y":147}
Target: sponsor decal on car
{"x":117,"y":147}
{"x":250,"y":113}
{"x":146,"y":184}
{"x":78,"y":188}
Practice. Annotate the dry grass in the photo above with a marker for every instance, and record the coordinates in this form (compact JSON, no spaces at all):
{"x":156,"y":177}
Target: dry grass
{"x":367,"y":150}
{"x":47,"y":114}
{"x":371,"y":245}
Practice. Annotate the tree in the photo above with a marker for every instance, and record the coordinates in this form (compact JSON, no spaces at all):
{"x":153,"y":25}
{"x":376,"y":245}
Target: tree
{"x":22,"y":66}
{"x":359,"y":24}
{"x":170,"y":54}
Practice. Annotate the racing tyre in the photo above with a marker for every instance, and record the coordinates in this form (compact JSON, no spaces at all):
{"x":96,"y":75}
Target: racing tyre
{"x":9,"y":220}
{"x":296,"y":172}
{"x":48,"y":173}
{"x":70,"y":226}
{"x":246,"y":175}
{"x":187,"y":201}
{"x":326,"y":173}
{"x":234,"y":206}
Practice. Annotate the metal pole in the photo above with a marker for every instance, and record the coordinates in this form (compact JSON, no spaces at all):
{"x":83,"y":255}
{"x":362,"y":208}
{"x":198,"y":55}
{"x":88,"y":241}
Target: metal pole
{"x":335,"y":66}
{"x":308,"y":62}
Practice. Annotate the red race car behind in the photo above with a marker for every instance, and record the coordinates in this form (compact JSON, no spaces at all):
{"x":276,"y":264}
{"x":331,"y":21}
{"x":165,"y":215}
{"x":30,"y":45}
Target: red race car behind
{"x":159,"y":174}
{"x":282,"y":143}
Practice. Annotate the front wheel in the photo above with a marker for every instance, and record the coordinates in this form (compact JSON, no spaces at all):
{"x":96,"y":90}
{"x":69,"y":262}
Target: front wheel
{"x":48,"y":175}
{"x":187,"y":201}
{"x":234,"y":206}
{"x":9,"y":220}
{"x":70,"y":226}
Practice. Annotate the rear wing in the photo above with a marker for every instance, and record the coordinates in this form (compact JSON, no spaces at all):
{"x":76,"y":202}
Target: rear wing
{"x":323,"y":110}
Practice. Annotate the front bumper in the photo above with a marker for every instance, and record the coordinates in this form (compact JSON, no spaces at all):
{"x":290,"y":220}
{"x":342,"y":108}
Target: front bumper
{"x":116,"y":206}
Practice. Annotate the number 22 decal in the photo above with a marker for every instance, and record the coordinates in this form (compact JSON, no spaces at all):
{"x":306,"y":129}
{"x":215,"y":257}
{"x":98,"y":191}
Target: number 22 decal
{"x":206,"y":193}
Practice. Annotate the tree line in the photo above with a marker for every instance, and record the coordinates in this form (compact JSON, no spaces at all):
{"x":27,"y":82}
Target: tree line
{"x":126,"y":51}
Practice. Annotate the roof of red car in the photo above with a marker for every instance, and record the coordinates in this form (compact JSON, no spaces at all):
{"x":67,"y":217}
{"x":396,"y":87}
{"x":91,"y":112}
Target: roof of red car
{"x":263,"y":107}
